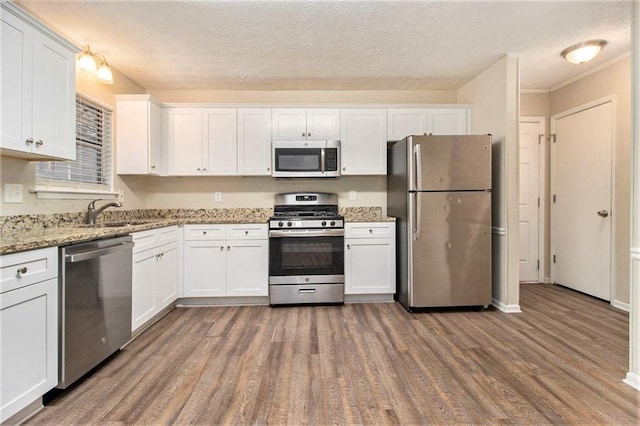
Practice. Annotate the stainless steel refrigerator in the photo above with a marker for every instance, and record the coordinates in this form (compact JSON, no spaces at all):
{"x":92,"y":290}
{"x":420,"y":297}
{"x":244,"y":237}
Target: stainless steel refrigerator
{"x":439,"y":189}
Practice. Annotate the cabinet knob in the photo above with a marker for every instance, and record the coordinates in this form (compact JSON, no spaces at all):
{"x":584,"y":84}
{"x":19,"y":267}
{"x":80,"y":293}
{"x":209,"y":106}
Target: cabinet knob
{"x":221,"y":248}
{"x":29,"y":141}
{"x":303,"y":134}
{"x":228,"y":248}
{"x":39,"y":142}
{"x":204,"y":170}
{"x":344,"y":169}
{"x":371,"y":231}
{"x":153,"y":167}
{"x":21,"y":271}
{"x":348,"y":246}
{"x":308,"y":134}
{"x":268,"y":169}
{"x":204,"y":232}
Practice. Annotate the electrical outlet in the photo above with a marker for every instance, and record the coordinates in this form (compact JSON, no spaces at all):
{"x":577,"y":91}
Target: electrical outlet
{"x":217,"y":197}
{"x":353,"y":195}
{"x":120,"y":196}
{"x":13,"y":193}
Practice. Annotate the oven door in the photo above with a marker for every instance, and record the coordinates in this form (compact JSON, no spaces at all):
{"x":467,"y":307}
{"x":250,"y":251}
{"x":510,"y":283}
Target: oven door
{"x":306,"y":256}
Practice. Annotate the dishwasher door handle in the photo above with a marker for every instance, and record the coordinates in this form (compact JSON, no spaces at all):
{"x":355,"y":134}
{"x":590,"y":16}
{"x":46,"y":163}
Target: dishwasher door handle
{"x":92,"y":254}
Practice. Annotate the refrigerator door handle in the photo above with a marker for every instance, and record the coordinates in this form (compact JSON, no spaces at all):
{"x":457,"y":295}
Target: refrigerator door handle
{"x":418,"y":205}
{"x":418,"y":164}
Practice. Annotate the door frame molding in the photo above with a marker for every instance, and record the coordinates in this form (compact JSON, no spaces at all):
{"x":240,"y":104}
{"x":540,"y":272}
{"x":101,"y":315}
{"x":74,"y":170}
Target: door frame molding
{"x":583,"y":107}
{"x":542,"y":193}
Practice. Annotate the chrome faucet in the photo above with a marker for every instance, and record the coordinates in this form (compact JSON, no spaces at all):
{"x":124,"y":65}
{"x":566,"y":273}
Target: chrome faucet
{"x":92,"y":212}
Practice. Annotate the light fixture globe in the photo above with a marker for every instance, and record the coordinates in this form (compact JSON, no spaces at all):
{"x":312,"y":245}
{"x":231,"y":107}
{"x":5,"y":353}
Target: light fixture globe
{"x":104,"y":74}
{"x":583,"y":52}
{"x":86,"y":61}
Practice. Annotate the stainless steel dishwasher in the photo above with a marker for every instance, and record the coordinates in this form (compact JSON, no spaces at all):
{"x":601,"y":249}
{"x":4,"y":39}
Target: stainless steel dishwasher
{"x":95,"y":304}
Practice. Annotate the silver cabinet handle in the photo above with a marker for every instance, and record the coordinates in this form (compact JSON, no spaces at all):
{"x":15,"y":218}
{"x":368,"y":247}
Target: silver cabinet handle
{"x":39,"y":142}
{"x":21,"y":271}
{"x":603,"y":213}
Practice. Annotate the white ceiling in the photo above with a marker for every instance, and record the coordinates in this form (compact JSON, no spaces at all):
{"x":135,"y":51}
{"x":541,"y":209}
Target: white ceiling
{"x":336,"y":45}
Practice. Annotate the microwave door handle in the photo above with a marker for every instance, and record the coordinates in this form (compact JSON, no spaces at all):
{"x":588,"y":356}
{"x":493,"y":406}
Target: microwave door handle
{"x":322,"y":160}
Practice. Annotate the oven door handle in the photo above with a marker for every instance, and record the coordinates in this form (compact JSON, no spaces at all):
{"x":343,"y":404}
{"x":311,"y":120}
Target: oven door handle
{"x":306,"y":233}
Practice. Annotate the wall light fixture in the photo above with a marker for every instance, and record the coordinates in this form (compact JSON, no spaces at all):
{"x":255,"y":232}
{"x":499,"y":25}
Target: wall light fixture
{"x":87,"y":61}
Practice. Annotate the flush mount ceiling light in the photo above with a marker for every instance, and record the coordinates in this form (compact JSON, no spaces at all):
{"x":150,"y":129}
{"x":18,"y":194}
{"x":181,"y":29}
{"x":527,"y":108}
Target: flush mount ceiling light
{"x":86,"y":61}
{"x":583,"y":52}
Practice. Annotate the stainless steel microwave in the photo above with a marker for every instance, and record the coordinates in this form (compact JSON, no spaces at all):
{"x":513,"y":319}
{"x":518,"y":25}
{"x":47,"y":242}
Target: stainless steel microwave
{"x":305,"y":159}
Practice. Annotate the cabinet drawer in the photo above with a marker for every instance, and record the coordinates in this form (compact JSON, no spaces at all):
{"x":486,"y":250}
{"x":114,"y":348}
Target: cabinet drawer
{"x":370,"y":230}
{"x":248,"y":232}
{"x":167,"y":235}
{"x":204,"y":232}
{"x":145,"y":240}
{"x":26,"y":268}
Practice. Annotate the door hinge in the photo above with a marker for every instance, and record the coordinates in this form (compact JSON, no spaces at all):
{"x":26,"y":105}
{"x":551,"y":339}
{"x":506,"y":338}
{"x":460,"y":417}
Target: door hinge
{"x":554,"y":198}
{"x":554,"y":258}
{"x":553,"y":136}
{"x":538,"y":265}
{"x":540,"y":138}
{"x":538,"y":201}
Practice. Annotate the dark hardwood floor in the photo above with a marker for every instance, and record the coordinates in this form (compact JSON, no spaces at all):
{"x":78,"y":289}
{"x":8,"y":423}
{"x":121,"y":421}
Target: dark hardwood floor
{"x":560,"y":361}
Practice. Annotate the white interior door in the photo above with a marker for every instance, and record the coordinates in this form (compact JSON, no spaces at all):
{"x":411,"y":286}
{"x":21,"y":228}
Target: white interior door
{"x":581,"y":212}
{"x":531,"y":132}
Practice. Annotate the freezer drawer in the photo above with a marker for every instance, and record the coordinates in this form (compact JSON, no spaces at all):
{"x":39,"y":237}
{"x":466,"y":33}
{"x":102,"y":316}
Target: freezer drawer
{"x":450,"y":253}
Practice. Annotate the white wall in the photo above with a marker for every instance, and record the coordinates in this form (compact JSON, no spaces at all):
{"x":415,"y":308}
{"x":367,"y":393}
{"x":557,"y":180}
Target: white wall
{"x":633,"y":376}
{"x":494,"y":96}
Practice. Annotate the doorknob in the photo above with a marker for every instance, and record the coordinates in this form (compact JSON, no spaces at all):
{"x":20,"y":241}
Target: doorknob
{"x":603,"y":213}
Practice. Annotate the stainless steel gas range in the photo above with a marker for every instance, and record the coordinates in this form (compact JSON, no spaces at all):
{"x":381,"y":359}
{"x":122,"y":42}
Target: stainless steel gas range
{"x":306,"y":250}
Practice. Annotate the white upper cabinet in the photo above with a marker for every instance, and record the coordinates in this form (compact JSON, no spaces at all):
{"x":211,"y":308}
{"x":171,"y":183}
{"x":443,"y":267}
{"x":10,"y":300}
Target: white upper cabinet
{"x":363,"y":138}
{"x":38,"y":90}
{"x":220,"y":141}
{"x":403,"y":122}
{"x":306,"y":124}
{"x":139,"y":136}
{"x":201,"y":141}
{"x":254,"y":141}
{"x":448,"y":121}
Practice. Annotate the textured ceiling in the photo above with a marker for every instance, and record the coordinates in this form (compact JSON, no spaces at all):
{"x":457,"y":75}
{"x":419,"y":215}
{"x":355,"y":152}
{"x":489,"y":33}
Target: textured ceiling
{"x":336,"y":45}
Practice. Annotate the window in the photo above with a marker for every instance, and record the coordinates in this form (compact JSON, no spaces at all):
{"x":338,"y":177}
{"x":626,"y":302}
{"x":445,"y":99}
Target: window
{"x":91,"y":171}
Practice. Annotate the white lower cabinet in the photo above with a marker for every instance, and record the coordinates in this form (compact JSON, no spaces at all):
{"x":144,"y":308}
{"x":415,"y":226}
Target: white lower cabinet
{"x":370,"y":258}
{"x":29,"y":328}
{"x":155,"y":273}
{"x":226,"y":260}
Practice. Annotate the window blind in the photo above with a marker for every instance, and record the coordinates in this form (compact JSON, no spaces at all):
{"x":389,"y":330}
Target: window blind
{"x":91,"y":170}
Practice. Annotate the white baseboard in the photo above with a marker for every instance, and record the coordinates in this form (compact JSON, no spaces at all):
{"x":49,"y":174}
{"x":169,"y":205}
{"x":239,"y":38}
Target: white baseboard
{"x":620,"y":305}
{"x":633,"y":380}
{"x":509,"y":309}
{"x":547,"y":280}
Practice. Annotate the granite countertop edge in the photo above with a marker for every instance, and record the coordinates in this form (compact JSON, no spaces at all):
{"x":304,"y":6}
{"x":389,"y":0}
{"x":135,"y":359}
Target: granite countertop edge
{"x":19,"y":241}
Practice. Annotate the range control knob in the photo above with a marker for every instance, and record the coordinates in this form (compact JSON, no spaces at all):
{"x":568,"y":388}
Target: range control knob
{"x":289,"y":224}
{"x":324,"y":223}
{"x":333,"y":223}
{"x":280,"y":224}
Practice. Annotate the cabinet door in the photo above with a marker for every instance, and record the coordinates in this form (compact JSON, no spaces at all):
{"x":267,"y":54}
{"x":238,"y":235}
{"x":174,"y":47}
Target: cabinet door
{"x":289,"y":124}
{"x":167,"y":276}
{"x":54,"y":99}
{"x":220,"y":141}
{"x":254,"y":141}
{"x":205,"y":268}
{"x":447,"y":121}
{"x":369,"y":266}
{"x":364,"y":141}
{"x":184,"y":141}
{"x":403,"y":122}
{"x":248,"y":268}
{"x":28,"y":346}
{"x":156,"y":145}
{"x":323,"y":124}
{"x":16,"y":64}
{"x":143,"y":291}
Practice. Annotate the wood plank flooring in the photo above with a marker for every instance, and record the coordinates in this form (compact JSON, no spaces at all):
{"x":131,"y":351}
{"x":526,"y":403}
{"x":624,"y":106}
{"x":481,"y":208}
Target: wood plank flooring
{"x":561,"y":361}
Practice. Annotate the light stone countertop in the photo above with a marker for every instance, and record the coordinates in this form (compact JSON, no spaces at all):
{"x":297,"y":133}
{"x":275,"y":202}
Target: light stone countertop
{"x":30,"y":232}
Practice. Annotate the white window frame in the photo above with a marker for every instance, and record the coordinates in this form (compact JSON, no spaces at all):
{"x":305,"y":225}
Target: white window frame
{"x":60,"y":189}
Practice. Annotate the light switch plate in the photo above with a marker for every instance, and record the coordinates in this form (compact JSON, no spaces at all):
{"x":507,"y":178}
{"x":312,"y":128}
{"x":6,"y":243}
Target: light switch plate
{"x":13,"y":193}
{"x":217,"y":197}
{"x":353,"y":195}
